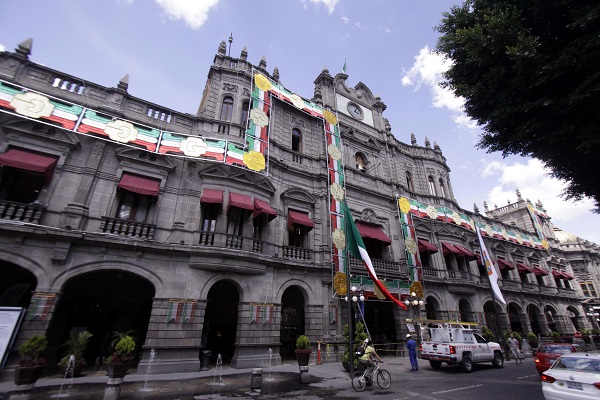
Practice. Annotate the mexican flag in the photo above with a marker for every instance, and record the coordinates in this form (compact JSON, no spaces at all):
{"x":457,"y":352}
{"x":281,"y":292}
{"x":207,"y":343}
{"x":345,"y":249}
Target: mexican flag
{"x":356,"y":246}
{"x":491,"y":270}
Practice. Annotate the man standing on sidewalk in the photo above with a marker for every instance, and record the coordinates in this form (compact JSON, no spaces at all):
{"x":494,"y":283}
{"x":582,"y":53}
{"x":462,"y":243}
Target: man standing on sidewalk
{"x":411,"y":346}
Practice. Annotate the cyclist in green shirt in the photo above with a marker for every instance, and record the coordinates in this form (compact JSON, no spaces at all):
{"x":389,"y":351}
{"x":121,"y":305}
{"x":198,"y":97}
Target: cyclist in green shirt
{"x":367,"y":359}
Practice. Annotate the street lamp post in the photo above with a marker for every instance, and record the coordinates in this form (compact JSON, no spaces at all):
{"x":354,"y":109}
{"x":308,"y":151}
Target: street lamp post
{"x":357,"y":295}
{"x":415,"y":303}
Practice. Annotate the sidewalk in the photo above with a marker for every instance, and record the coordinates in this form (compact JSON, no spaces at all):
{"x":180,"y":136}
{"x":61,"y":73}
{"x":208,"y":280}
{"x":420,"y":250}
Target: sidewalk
{"x":325,"y":380}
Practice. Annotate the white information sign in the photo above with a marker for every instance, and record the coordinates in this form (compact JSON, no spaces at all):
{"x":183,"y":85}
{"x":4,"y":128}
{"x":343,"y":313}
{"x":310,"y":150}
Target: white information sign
{"x":10,"y":321}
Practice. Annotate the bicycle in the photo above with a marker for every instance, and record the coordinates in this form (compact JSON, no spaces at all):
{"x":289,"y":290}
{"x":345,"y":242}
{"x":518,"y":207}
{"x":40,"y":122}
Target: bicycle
{"x":360,"y":378}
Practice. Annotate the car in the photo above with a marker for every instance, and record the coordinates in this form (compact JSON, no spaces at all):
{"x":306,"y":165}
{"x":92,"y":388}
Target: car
{"x":574,"y":376}
{"x":547,"y":353}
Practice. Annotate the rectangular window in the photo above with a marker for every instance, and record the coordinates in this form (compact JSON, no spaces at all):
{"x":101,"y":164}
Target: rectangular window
{"x":296,"y":235}
{"x":235,"y":221}
{"x":209,"y":223}
{"x":134,"y":206}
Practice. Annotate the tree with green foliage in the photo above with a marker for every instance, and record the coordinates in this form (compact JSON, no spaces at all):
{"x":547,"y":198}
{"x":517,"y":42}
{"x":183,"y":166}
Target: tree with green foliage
{"x":528,"y":71}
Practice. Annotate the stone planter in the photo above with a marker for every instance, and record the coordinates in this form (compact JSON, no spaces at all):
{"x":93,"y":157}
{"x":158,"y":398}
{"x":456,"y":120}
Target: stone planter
{"x":117,"y":369}
{"x":303,"y":358}
{"x":27,"y":375}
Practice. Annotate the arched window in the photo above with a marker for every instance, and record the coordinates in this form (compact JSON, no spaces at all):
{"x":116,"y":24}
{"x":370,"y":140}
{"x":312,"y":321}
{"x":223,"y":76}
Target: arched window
{"x":442,"y":189}
{"x":361,"y":162}
{"x":409,"y":182}
{"x":297,"y":140}
{"x":245,"y":107}
{"x":431,"y":186}
{"x":227,"y":108}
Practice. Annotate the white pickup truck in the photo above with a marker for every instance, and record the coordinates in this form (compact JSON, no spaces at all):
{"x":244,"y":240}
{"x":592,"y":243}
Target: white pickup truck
{"x":457,"y":344}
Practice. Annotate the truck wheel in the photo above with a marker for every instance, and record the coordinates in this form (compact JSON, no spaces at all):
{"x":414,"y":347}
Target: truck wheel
{"x":435,"y":364}
{"x":498,"y":360}
{"x":466,"y":365}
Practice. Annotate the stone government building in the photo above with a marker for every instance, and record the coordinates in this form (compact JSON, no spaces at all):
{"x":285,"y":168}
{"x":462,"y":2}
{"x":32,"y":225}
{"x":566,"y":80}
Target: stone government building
{"x":228,"y":247}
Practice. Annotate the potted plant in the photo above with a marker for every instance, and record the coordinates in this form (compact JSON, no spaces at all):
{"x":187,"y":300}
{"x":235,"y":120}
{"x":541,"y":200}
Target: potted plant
{"x":73,"y":362}
{"x":596,"y":335}
{"x":585,"y":335}
{"x":555,"y":336}
{"x":123,"y":354}
{"x":487,"y":334}
{"x":532,"y":339}
{"x":303,"y":350}
{"x":31,"y":363}
{"x":359,"y":337}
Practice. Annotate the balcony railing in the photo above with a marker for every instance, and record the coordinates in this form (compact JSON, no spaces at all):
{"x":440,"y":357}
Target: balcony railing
{"x":127,"y":228}
{"x":31,"y":213}
{"x":380,"y":266}
{"x":297,"y":253}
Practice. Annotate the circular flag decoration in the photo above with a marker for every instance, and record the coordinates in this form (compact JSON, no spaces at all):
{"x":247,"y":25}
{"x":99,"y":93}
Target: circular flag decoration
{"x":404,"y":205}
{"x":545,"y":244}
{"x":456,"y":218}
{"x":339,"y":283}
{"x":297,"y":101}
{"x":254,"y":160}
{"x":417,"y":288}
{"x":121,"y":131}
{"x":411,"y":246}
{"x":432,"y":212}
{"x":329,"y":117}
{"x":334,"y":152}
{"x":339,"y":239}
{"x":337,"y":191}
{"x":262,"y":82}
{"x":259,"y":117}
{"x":32,"y":105}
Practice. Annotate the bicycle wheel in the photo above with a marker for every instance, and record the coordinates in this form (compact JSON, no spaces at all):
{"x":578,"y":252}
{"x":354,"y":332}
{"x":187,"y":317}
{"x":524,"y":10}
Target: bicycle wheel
{"x":359,"y":382}
{"x":384,"y":379}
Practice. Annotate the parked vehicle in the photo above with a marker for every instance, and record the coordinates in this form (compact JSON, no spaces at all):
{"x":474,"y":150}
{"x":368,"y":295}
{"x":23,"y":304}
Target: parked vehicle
{"x":547,"y":353}
{"x":456,"y":343}
{"x":574,"y":376}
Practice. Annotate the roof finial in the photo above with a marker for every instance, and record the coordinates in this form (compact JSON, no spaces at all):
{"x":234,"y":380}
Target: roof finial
{"x":230,"y":41}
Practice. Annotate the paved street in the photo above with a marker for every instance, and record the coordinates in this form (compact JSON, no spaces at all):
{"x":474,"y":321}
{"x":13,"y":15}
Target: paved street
{"x":327,"y":381}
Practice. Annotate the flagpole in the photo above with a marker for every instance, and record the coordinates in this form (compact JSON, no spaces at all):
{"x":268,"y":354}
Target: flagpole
{"x":350,"y":319}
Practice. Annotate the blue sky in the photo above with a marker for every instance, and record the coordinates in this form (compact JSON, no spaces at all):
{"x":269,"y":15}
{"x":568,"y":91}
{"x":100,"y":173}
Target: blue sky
{"x":167,"y":47}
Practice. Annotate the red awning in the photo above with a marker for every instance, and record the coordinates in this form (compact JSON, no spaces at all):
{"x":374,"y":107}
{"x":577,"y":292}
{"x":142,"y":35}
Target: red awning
{"x":538,"y":271}
{"x":424,"y":245}
{"x":450,"y":248}
{"x":368,"y":231}
{"x":30,"y":161}
{"x":503,"y":264}
{"x":567,"y":276}
{"x":140,"y":184}
{"x":523,"y":268}
{"x":466,"y":252}
{"x":240,"y":201}
{"x":557,"y":273}
{"x":262,"y":207}
{"x":212,"y":196}
{"x":298,"y":218}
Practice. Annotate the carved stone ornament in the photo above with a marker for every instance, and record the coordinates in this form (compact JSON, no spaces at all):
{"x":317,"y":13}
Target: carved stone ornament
{"x":369,"y":216}
{"x":229,"y":87}
{"x":59,"y":256}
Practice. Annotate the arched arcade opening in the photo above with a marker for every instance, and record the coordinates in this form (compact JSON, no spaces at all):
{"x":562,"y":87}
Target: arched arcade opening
{"x":101,"y":302}
{"x":220,"y":321}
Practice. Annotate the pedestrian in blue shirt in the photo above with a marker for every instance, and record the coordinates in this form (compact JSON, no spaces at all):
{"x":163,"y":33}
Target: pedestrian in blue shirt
{"x":411,"y":346}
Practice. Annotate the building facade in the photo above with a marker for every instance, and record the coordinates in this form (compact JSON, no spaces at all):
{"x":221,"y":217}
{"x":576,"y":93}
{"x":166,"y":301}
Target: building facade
{"x":216,"y":231}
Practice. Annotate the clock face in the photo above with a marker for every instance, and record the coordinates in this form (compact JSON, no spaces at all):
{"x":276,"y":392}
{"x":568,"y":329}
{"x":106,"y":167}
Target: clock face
{"x":354,"y":110}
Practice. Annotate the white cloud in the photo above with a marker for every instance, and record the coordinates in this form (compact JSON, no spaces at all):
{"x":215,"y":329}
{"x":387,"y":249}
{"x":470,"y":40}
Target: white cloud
{"x":359,"y":26}
{"x":427,"y":71}
{"x":330,"y":4}
{"x":345,"y":19}
{"x":534,"y":182}
{"x":2,"y":48}
{"x":193,"y":12}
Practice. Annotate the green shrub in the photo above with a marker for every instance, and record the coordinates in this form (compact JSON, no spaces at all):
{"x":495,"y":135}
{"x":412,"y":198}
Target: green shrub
{"x":31,"y":351}
{"x":303,"y":342}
